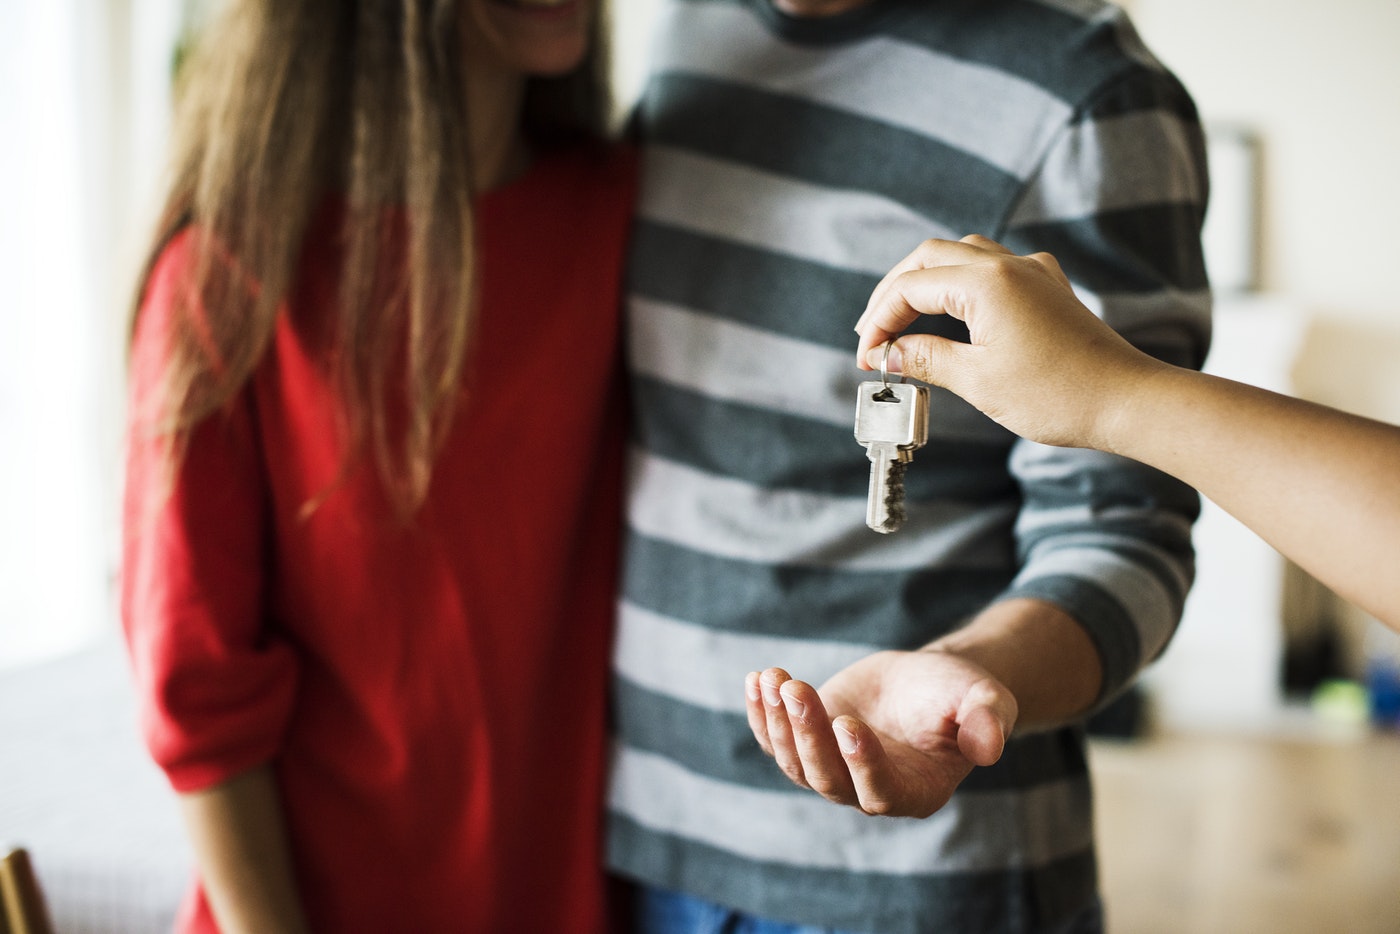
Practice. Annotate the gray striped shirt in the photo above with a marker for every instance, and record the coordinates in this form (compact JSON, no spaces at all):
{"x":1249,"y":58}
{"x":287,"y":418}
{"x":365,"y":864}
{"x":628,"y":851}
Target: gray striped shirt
{"x":788,"y":164}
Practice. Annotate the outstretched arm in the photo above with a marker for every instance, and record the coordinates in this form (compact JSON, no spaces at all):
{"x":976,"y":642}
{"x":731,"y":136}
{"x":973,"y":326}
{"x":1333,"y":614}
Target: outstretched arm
{"x":1321,"y":486}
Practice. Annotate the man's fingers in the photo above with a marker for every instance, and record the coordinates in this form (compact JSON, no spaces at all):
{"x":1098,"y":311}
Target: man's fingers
{"x":981,"y":738}
{"x":784,"y":748}
{"x":872,"y":773}
{"x":985,"y":720}
{"x":758,"y":716}
{"x":822,"y":766}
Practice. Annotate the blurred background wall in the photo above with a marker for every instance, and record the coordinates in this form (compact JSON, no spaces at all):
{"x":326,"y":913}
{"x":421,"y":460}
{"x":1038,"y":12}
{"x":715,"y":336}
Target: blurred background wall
{"x":84,"y":113}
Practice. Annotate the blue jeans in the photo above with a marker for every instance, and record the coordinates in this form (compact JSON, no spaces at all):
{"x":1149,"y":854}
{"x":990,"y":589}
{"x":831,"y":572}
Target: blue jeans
{"x":661,"y":912}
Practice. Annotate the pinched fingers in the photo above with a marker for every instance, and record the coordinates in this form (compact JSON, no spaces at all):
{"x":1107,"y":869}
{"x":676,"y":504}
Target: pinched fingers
{"x":915,"y":260}
{"x":896,"y":315}
{"x":985,"y":243}
{"x":932,"y":290}
{"x":1053,"y":266}
{"x":929,"y":358}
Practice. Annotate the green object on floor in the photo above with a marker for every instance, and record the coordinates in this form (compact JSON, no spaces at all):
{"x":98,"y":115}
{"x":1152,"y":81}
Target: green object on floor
{"x":1341,"y":701}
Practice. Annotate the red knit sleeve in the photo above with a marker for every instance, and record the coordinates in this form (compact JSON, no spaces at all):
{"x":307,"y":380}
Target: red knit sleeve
{"x":215,"y":687}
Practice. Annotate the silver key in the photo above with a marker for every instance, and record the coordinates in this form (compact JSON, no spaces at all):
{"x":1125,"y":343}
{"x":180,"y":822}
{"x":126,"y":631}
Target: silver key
{"x":892,"y":423}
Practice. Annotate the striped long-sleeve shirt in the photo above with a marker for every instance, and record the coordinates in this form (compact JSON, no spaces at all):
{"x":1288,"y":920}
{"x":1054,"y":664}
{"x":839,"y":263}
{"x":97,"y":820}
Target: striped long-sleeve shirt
{"x":788,"y":164}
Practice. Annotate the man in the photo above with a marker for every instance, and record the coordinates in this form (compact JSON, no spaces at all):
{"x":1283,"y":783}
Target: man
{"x":794,"y":152}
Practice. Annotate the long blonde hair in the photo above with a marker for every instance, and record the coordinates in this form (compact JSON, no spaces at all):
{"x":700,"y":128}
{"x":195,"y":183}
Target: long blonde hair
{"x":287,"y":101}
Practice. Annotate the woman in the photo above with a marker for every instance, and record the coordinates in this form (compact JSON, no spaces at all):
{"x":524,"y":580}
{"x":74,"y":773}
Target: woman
{"x":370,"y":529}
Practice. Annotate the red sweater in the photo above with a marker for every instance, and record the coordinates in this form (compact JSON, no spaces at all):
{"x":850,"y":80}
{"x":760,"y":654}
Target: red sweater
{"x":431,"y":697}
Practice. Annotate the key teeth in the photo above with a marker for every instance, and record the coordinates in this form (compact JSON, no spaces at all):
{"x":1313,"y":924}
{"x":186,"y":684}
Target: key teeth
{"x":894,"y":499}
{"x":894,"y":496}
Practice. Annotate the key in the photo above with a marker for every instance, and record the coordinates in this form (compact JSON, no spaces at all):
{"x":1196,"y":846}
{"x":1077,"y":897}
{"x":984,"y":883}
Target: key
{"x":892,"y":423}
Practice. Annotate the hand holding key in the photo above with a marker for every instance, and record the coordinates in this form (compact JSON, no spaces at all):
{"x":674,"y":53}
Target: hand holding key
{"x":1037,"y":362}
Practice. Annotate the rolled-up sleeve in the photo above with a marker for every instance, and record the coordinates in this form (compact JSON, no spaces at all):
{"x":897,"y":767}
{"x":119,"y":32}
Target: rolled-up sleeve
{"x":215,"y":683}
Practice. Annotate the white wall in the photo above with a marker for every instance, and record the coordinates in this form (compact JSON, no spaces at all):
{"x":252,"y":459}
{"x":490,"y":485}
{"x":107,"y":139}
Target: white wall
{"x":51,"y":586}
{"x":83,"y":103}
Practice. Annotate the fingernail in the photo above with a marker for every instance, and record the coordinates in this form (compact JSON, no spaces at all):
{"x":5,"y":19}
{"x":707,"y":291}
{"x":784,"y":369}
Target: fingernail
{"x":845,"y":739}
{"x":794,"y":706}
{"x":770,"y":694}
{"x":751,"y":686}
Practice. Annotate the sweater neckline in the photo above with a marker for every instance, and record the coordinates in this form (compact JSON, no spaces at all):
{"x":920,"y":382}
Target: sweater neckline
{"x":826,"y":30}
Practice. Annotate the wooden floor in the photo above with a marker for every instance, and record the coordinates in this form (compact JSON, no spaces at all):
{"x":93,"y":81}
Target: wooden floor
{"x":1227,"y":835}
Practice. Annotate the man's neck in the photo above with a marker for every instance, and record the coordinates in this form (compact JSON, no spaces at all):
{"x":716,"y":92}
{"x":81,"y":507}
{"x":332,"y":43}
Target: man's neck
{"x":818,"y":7}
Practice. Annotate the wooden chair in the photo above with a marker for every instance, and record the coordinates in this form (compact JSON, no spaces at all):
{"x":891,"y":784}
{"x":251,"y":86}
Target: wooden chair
{"x":22,"y":908}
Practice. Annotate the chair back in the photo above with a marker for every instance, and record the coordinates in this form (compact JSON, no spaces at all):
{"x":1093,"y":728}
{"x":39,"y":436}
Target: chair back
{"x":22,"y":908}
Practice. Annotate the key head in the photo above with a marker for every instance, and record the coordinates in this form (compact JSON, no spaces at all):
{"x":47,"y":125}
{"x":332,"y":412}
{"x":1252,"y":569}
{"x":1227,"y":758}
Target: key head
{"x":896,"y":414}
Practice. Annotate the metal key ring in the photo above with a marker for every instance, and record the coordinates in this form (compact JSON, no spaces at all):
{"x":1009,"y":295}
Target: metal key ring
{"x":884,"y":366}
